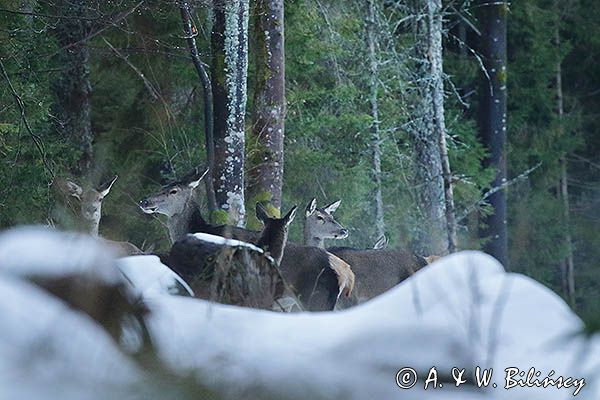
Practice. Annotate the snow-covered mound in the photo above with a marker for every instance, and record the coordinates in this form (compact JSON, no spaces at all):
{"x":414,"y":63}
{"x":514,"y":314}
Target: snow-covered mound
{"x":462,"y":311}
{"x":34,"y":251}
{"x":150,"y":277}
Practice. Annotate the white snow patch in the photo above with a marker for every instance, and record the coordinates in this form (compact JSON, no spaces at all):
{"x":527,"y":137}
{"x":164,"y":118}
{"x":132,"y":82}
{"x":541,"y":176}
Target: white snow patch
{"x":150,"y":277}
{"x":221,"y":241}
{"x":41,"y":251}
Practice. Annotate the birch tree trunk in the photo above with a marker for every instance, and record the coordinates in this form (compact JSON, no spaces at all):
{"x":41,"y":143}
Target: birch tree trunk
{"x":567,"y":264}
{"x":72,"y":89}
{"x":428,"y":131}
{"x":372,"y":44}
{"x":434,"y":16}
{"x":268,"y":130}
{"x":230,"y":70}
{"x":493,"y":120}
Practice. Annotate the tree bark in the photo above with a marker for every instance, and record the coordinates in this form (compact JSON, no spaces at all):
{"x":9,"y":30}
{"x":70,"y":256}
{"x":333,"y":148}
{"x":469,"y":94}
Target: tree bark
{"x":72,"y":89}
{"x":268,"y":130}
{"x":371,"y":38}
{"x":230,"y":70}
{"x":567,"y":264}
{"x":190,"y":35}
{"x":432,"y":234}
{"x":493,"y":120}
{"x":434,"y":15}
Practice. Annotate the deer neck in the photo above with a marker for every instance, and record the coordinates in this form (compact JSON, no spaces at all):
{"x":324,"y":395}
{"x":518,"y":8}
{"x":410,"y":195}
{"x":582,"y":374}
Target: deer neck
{"x":187,"y":221}
{"x":310,"y":239}
{"x":274,"y":242}
{"x":94,"y":228}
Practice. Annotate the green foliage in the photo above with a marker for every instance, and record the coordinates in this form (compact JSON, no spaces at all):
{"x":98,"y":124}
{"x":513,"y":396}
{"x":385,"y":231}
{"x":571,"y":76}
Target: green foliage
{"x":149,"y":137}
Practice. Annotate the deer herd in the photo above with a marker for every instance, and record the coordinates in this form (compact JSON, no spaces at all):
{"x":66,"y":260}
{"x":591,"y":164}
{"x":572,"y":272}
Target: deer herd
{"x":290,"y":276}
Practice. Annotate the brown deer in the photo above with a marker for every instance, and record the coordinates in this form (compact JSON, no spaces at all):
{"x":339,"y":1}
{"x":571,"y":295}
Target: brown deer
{"x":81,"y":210}
{"x":311,"y":272}
{"x":179,"y":203}
{"x":319,"y":224}
{"x":230,"y":271}
{"x":377,"y":270}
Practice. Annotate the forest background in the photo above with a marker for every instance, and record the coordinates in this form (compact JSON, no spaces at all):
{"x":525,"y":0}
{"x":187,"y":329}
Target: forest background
{"x":96,"y":88}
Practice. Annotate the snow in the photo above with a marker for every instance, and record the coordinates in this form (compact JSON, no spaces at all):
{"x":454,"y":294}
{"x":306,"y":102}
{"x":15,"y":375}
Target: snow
{"x":221,"y":241}
{"x":49,"y":351}
{"x":39,"y":251}
{"x":150,"y":277}
{"x":462,"y":311}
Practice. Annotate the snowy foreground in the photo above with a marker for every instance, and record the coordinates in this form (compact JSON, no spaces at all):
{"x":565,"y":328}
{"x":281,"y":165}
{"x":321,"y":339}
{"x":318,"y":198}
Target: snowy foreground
{"x":462,"y":311}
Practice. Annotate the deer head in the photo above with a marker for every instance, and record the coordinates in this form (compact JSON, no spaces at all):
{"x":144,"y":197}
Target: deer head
{"x":89,"y":201}
{"x":174,"y":199}
{"x":320,"y":224}
{"x":274,"y":234}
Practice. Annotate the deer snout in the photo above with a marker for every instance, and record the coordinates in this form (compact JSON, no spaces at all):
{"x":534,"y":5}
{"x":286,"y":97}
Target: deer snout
{"x":343,"y":233}
{"x":147,"y":207}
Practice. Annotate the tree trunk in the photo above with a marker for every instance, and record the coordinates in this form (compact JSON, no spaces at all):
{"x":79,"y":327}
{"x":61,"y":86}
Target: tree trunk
{"x":190,"y":35}
{"x":230,"y":70}
{"x":269,"y":104}
{"x":371,"y":38}
{"x":434,"y":16}
{"x":432,"y":235}
{"x":567,"y":264}
{"x":493,"y":120}
{"x":72,"y":89}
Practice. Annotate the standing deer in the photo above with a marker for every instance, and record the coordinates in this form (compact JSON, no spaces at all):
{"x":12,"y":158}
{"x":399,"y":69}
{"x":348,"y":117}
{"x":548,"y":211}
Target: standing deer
{"x":319,"y":224}
{"x":179,"y":203}
{"x":377,"y":270}
{"x":83,"y":206}
{"x":316,"y":276}
{"x":82,"y":210}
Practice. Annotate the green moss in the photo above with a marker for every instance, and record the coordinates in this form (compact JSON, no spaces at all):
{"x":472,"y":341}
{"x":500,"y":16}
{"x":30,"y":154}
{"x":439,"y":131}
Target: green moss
{"x":502,"y":75}
{"x":219,"y":217}
{"x":263,"y":198}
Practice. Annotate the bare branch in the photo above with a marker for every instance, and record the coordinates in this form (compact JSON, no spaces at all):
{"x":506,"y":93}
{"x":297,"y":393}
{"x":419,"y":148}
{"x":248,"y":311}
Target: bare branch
{"x":37,"y":140}
{"x":495,"y":189}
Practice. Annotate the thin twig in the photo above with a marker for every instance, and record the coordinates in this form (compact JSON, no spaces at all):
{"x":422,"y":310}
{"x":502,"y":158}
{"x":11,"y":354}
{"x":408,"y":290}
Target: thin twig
{"x":37,"y":140}
{"x":147,"y":83}
{"x":495,"y":189}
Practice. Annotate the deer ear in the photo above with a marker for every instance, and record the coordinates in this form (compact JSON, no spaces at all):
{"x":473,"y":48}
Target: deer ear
{"x":330,"y":209}
{"x":289,"y":217}
{"x":381,"y":243}
{"x":261,"y":213}
{"x":196,"y":178}
{"x":74,"y":189}
{"x":104,"y":189}
{"x":311,"y":207}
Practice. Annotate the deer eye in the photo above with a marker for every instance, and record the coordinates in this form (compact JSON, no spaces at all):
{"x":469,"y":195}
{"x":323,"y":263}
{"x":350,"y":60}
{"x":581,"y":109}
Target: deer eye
{"x":320,"y":218}
{"x":173,"y":191}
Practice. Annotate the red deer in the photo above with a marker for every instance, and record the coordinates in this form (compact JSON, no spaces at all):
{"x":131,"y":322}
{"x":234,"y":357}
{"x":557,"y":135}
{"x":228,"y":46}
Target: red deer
{"x":311,"y":272}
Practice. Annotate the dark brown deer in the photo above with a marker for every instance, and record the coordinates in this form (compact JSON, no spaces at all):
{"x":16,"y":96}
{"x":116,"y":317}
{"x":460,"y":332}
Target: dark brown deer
{"x":230,"y":271}
{"x":312,"y":273}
